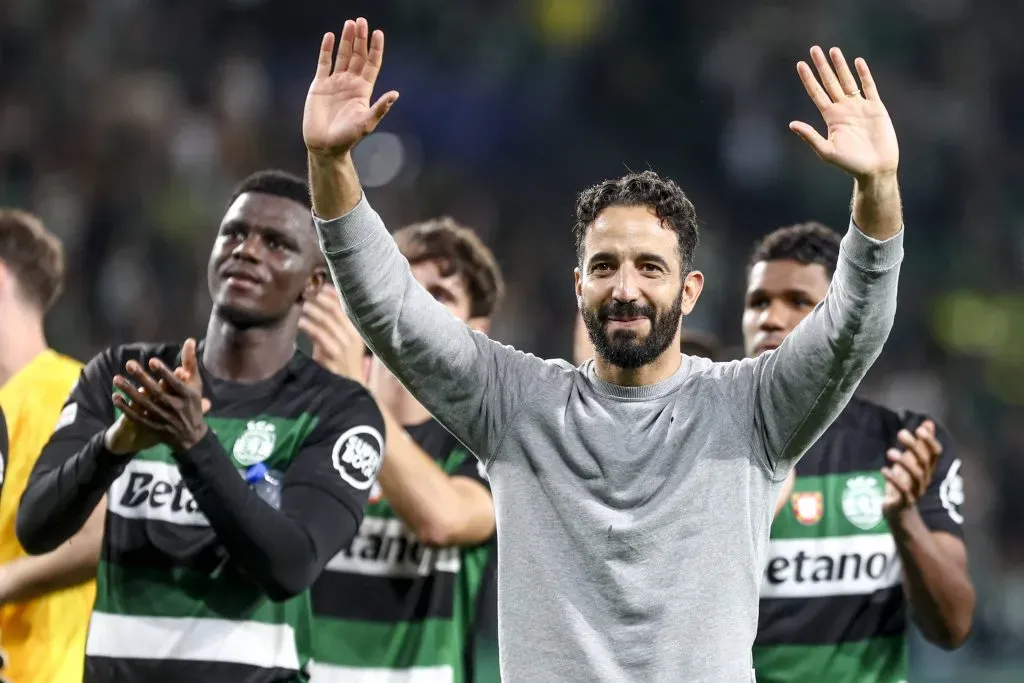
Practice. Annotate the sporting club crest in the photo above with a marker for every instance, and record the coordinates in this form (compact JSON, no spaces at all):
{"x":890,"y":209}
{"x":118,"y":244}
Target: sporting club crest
{"x":862,"y":502}
{"x":808,"y":507}
{"x":256,"y":444}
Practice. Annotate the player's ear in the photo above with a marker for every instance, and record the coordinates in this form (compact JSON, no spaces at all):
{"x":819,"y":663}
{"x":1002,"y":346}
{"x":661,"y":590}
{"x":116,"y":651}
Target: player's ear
{"x":316,"y":282}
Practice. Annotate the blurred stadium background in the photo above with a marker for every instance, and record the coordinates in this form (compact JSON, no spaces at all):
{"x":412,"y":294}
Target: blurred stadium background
{"x":124,"y":123}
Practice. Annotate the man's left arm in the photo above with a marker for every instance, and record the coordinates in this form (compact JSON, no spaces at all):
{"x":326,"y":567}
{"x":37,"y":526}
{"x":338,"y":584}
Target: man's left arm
{"x":929,"y":534}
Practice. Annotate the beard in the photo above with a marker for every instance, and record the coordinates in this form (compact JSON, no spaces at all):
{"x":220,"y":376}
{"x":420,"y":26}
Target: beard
{"x":623,"y":348}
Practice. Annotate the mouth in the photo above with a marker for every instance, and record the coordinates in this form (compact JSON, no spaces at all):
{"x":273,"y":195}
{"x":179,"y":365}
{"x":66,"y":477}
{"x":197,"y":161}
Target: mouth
{"x":767,"y":345}
{"x":626,"y":321}
{"x":242,"y":280}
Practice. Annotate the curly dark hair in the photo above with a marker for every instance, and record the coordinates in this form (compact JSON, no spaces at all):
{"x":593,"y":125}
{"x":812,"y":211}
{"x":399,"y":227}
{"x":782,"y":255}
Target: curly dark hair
{"x":459,"y":250}
{"x":275,"y":182}
{"x":668,"y":201}
{"x":806,"y":243}
{"x":34,"y":255}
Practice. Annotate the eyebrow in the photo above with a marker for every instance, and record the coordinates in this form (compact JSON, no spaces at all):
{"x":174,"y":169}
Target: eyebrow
{"x":264,"y":230}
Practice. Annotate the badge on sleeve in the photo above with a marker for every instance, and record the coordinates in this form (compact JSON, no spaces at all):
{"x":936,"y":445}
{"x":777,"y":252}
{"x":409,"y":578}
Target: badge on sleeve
{"x":358,"y":456}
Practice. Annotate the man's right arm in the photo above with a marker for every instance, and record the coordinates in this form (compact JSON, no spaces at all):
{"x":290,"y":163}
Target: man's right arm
{"x":75,"y":468}
{"x":470,"y":383}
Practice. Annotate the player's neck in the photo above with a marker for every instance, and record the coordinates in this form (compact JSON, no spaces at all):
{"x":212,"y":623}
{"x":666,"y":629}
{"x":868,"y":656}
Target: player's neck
{"x":661,"y":368}
{"x":390,"y":393}
{"x":246,"y":355}
{"x":22,"y":341}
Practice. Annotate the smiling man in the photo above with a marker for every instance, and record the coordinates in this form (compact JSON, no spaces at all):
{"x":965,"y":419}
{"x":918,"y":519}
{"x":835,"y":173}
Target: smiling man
{"x":217,"y":524}
{"x":620,"y":485}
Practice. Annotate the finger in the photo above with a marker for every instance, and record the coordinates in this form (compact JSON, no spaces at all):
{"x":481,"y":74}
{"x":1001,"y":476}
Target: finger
{"x":915,"y":446}
{"x":897,"y":483}
{"x":379,"y":109}
{"x":374,"y":57}
{"x":206,"y":405}
{"x":174,"y":384}
{"x":146,"y":381}
{"x":188,"y":357}
{"x":325,"y":345}
{"x":328,"y":320}
{"x":348,"y":36}
{"x":846,"y":79}
{"x":820,"y":145}
{"x":134,"y":413}
{"x":932,"y":443}
{"x":326,"y":57}
{"x":867,"y":82}
{"x":827,"y":76}
{"x":814,"y":90}
{"x":141,"y":401}
{"x":917,"y":473}
{"x":359,"y":46}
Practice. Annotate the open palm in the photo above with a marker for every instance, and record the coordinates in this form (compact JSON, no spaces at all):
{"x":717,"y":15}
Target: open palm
{"x":338,"y":113}
{"x":861,"y":138}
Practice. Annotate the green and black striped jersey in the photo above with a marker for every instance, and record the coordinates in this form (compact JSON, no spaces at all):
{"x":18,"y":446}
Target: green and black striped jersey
{"x":172,"y":602}
{"x":389,"y":608}
{"x":832,"y":606}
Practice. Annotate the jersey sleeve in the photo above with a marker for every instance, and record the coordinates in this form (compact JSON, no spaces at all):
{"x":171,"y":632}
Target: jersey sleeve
{"x":74,"y":470}
{"x":343,"y":454}
{"x":941,"y":507}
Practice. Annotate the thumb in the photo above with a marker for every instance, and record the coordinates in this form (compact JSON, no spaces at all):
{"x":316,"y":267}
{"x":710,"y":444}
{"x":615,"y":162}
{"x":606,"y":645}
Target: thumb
{"x":206,"y":405}
{"x":819,"y":144}
{"x":188,"y":357}
{"x":379,"y":109}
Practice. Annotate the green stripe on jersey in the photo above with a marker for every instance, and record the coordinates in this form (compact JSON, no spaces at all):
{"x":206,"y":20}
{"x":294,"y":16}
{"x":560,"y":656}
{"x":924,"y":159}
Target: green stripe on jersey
{"x":833,"y":505}
{"x":426,"y":649}
{"x":876,"y":660}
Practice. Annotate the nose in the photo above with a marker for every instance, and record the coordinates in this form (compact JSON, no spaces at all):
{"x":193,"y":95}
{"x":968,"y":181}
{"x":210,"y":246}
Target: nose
{"x":626,"y":289}
{"x":773,"y":317}
{"x":248,"y":249}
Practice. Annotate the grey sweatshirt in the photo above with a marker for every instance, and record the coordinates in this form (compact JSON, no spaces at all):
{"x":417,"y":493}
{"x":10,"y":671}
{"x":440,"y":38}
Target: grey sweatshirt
{"x":632,"y":522}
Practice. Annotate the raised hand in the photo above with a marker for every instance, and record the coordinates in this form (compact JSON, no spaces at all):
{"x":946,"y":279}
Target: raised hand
{"x":861,"y":138}
{"x":338,"y":113}
{"x":336,"y":343}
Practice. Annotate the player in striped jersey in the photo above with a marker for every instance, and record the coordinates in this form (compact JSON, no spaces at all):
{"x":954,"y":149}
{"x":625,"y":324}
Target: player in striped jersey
{"x":400,"y":603}
{"x":870,"y":529}
{"x":216,"y":525}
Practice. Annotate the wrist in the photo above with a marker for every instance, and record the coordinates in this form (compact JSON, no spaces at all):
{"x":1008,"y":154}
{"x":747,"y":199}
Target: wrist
{"x":904,"y":521}
{"x":193,"y":439}
{"x":333,"y":183}
{"x":880,"y":183}
{"x":111,"y":443}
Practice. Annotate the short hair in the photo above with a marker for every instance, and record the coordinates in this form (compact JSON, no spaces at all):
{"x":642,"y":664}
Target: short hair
{"x":806,"y":243}
{"x":662,"y":195}
{"x":34,"y":255}
{"x":459,"y":250}
{"x":275,"y":182}
{"x":702,"y":344}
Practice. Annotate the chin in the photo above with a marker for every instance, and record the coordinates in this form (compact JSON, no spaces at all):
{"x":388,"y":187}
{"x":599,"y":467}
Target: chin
{"x":244,"y":315}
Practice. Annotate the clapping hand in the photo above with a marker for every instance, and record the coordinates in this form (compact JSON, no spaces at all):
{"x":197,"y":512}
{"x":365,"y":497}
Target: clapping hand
{"x":912,"y":469}
{"x":168,"y":410}
{"x":336,"y":343}
{"x":861,"y":138}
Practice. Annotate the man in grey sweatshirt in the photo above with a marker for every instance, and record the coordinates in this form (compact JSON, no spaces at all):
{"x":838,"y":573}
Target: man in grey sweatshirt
{"x":633,"y":495}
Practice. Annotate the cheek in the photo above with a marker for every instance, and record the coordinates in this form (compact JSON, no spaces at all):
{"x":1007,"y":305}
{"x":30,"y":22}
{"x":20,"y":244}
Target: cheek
{"x":749,"y":323}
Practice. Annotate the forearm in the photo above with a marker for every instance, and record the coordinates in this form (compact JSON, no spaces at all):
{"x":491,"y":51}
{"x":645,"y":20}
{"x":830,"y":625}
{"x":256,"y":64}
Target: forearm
{"x":73,"y":563}
{"x":268,"y":545}
{"x":333,"y":185}
{"x":877,"y":209}
{"x":808,"y":380}
{"x":423,"y":495}
{"x":461,"y":376}
{"x":937,"y":586}
{"x":57,"y":502}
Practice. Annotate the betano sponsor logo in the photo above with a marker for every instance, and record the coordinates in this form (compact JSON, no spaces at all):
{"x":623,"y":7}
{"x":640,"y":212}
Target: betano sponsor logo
{"x":821,"y":567}
{"x":384,"y":547}
{"x":154,"y":491}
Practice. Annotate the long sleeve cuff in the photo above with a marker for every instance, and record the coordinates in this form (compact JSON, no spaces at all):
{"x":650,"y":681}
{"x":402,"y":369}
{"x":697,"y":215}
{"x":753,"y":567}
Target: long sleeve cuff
{"x":869,"y":254}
